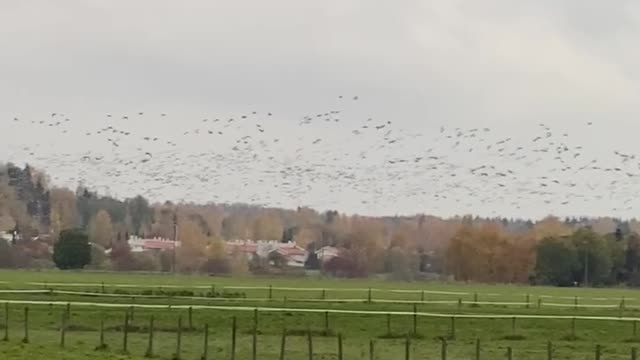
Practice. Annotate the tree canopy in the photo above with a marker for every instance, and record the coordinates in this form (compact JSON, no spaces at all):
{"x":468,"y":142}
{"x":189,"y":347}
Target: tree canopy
{"x":72,"y":251}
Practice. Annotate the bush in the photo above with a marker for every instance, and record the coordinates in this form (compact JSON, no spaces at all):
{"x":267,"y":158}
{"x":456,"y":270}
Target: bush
{"x":216,"y":265}
{"x":72,"y":251}
{"x":312,"y":262}
{"x":145,"y":261}
{"x":342,"y":267}
{"x":6,"y":255}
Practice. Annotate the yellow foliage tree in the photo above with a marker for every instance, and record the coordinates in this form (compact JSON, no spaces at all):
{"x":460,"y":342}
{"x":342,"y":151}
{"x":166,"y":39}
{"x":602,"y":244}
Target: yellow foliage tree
{"x":550,"y":226}
{"x":101,"y":229}
{"x":486,"y":253}
{"x":193,"y":243}
{"x":267,"y":226}
{"x":64,"y":213}
{"x":305,"y":236}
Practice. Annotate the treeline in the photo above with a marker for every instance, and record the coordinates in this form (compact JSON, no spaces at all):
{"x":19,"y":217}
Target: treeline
{"x":552,"y":253}
{"x":465,"y":248}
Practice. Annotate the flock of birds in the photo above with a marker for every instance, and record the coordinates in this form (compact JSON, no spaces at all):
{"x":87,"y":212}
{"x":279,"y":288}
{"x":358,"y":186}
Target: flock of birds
{"x":336,"y":158}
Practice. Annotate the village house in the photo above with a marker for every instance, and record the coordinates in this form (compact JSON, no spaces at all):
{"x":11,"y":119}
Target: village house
{"x":6,"y":236}
{"x":327,"y":253}
{"x":294,"y":255}
{"x":10,"y":236}
{"x":138,"y":244}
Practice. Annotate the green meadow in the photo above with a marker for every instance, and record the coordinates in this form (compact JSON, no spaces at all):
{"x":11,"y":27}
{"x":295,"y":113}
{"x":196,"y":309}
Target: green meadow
{"x":77,"y":315}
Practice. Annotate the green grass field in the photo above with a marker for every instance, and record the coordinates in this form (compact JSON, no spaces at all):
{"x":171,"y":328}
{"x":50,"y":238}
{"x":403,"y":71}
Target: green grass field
{"x":363,"y":312}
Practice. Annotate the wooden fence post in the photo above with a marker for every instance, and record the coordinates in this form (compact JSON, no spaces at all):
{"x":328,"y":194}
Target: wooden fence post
{"x":178,"y":339}
{"x":388,"y":324}
{"x":205,"y":349}
{"x":340,"y":347}
{"x":270,"y":292}
{"x":549,"y":350}
{"x":25,"y":340}
{"x":573,"y":327}
{"x":63,"y":328}
{"x":190,"y":315}
{"x":443,"y":349}
{"x":635,"y":328}
{"x":415,"y":320}
{"x":475,"y":298}
{"x":101,"y":344}
{"x":371,"y":350}
{"x":422,"y":296}
{"x":459,"y":303}
{"x":254,"y":344}
{"x":598,"y":351}
{"x":477,"y":349}
{"x":324,"y":294}
{"x":310,"y":344}
{"x":509,"y":353}
{"x":539,"y":303}
{"x":528,"y":301}
{"x":283,"y":343}
{"x":326,"y":322}
{"x":452,"y":335}
{"x":634,"y":353}
{"x":255,"y":318}
{"x":407,"y":349}
{"x":68,"y":312}
{"x":233,"y":338}
{"x":513,"y":325}
{"x":149,"y":352}
{"x":132,"y":311}
{"x":6,"y":322}
{"x":125,"y":334}
{"x":369,"y":296}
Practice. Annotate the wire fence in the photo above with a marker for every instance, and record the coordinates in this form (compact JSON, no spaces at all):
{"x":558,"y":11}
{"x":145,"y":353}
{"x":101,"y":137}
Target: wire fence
{"x":246,"y":345}
{"x":529,"y":301}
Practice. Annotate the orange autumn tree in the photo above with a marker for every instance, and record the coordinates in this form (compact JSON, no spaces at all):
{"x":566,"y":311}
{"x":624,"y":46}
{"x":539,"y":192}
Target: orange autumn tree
{"x":487,"y":253}
{"x":193,"y":242}
{"x":550,"y":226}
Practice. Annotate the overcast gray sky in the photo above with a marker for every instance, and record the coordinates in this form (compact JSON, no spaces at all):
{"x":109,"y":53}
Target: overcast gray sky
{"x":507,"y":65}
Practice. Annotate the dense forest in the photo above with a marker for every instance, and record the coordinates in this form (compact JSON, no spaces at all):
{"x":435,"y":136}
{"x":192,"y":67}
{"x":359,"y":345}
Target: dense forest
{"x":565,"y":252}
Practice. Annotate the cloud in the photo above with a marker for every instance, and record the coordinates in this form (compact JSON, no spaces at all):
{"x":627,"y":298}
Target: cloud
{"x":421,"y":64}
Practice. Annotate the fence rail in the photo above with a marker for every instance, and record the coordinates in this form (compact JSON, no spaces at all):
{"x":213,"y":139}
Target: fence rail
{"x":317,"y":289}
{"x":409,"y":349}
{"x":317,"y":310}
{"x":575,"y":304}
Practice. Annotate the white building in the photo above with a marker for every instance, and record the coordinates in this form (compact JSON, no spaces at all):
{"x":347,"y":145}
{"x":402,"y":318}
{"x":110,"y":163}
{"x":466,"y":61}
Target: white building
{"x":6,"y":236}
{"x":294,"y":254}
{"x":327,"y":253}
{"x":138,"y":244}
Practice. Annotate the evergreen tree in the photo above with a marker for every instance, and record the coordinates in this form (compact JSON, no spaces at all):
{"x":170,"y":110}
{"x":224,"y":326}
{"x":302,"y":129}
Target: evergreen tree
{"x":72,"y":251}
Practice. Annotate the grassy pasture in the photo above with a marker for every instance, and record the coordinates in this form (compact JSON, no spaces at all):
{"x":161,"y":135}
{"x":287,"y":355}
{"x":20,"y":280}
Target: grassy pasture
{"x":387,"y":313}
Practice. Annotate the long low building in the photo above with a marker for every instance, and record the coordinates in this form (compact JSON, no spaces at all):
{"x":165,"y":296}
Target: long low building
{"x":138,"y":244}
{"x":294,"y":255}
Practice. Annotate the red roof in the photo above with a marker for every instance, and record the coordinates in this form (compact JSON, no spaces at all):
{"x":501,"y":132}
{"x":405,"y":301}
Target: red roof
{"x":291,"y":251}
{"x":158,"y":245}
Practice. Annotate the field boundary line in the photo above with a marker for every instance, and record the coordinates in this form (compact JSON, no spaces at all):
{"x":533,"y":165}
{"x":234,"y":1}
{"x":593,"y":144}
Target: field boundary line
{"x":334,"y":311}
{"x":310,"y":300}
{"x":318,"y":289}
